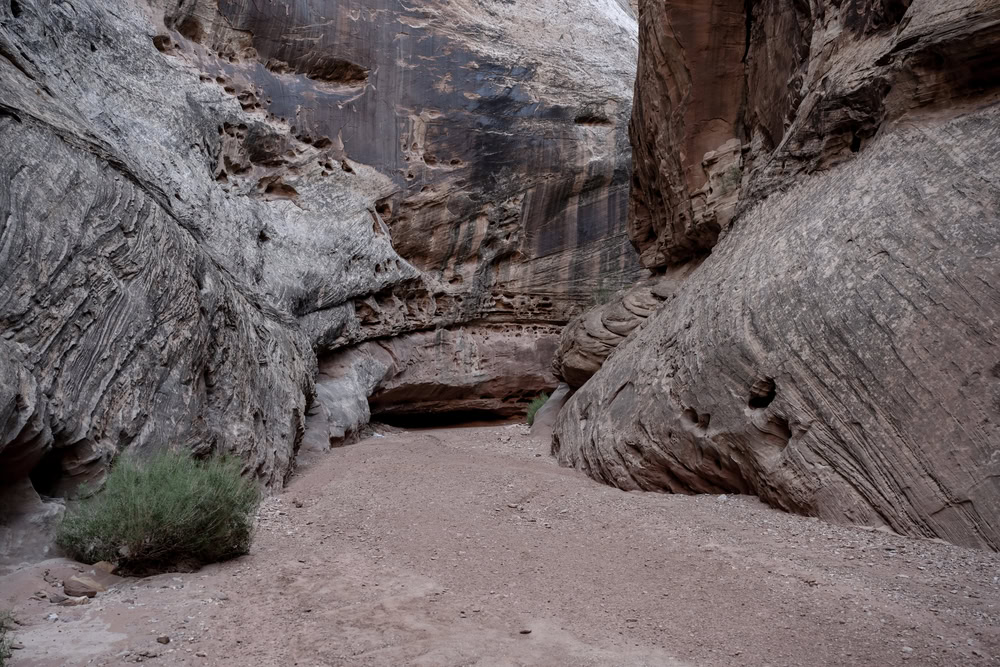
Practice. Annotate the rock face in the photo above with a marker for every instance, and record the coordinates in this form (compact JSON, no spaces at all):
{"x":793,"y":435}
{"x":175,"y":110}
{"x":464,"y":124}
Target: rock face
{"x":590,"y":338}
{"x":836,"y":353}
{"x":202,"y":202}
{"x":472,"y":374}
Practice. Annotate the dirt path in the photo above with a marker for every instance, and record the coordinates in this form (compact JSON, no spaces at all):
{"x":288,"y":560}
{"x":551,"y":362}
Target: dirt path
{"x":447,"y":547}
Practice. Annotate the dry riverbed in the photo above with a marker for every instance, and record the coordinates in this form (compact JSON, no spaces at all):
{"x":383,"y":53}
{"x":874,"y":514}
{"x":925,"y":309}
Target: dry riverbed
{"x":470,"y":546}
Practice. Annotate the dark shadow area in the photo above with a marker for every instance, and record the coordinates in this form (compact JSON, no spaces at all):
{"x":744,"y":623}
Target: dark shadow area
{"x":427,"y":420}
{"x":47,"y":474}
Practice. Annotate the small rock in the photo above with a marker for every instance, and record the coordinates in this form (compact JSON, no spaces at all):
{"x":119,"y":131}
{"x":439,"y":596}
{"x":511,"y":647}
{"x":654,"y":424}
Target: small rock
{"x":297,"y":502}
{"x":201,"y":654}
{"x":52,"y":617}
{"x":526,"y":631}
{"x":907,"y":649}
{"x":106,"y":566}
{"x":163,"y":639}
{"x":80,"y":584}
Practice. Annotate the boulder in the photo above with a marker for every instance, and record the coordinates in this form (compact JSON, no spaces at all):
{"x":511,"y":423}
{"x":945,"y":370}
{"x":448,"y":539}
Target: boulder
{"x":82,"y":585}
{"x":835,"y":353}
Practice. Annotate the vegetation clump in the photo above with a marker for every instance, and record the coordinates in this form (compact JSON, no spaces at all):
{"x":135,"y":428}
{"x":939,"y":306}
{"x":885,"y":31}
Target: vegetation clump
{"x":6,"y":625}
{"x":167,"y":512}
{"x":534,"y":406}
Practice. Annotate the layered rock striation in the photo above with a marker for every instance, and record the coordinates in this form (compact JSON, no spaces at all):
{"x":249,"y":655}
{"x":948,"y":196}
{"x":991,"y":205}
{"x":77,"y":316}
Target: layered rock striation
{"x":204,"y":202}
{"x":832,"y":347}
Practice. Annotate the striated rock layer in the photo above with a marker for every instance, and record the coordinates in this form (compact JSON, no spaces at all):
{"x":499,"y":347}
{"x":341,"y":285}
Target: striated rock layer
{"x":202,"y":202}
{"x":836,"y":353}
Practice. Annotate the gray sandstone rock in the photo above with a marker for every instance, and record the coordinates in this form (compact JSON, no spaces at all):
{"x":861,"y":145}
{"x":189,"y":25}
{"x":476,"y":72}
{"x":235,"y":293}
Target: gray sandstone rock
{"x":201,"y":203}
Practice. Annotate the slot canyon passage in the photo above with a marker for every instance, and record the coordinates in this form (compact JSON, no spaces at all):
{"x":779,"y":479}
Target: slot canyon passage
{"x":751,"y":248}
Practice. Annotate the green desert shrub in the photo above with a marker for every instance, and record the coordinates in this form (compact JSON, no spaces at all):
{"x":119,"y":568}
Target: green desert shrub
{"x":6,"y":625}
{"x":533,"y":407}
{"x":164,"y":513}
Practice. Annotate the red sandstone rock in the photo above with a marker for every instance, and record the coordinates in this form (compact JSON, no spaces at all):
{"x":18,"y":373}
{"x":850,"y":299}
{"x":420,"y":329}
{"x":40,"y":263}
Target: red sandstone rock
{"x":836,"y":353}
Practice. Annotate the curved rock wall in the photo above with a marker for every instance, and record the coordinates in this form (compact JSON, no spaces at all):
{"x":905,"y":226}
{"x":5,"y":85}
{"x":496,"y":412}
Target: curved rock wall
{"x":199,"y":198}
{"x":836,"y":352}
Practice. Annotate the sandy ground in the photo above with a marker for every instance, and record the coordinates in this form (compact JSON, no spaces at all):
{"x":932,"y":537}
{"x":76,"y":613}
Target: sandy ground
{"x":470,"y":546}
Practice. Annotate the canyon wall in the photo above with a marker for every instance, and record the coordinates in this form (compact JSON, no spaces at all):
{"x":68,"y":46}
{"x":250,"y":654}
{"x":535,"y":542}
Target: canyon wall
{"x":203,"y":203}
{"x":818,"y":199}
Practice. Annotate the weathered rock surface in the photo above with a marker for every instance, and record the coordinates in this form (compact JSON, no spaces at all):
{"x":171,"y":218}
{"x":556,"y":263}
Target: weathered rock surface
{"x":504,"y":143}
{"x":592,"y":337}
{"x":473,"y":372}
{"x":685,"y":127}
{"x":836,"y":354}
{"x":199,"y":198}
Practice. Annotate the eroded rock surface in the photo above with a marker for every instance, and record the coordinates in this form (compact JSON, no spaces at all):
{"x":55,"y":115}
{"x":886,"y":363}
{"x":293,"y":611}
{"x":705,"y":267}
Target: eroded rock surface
{"x":592,"y":337}
{"x":201,"y":200}
{"x":474,"y":373}
{"x":836,"y":352}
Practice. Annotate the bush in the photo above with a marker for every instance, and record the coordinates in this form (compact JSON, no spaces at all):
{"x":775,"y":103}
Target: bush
{"x":6,"y":625}
{"x":534,"y":406}
{"x":165,"y":513}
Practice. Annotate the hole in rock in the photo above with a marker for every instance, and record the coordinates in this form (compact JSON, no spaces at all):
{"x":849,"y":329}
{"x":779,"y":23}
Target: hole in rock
{"x":855,"y":144}
{"x":279,"y":190}
{"x":338,"y":71}
{"x":46,"y":475}
{"x":15,"y":8}
{"x":776,"y":433}
{"x":590,"y":118}
{"x":190,"y":27}
{"x":163,"y":43}
{"x":428,"y":420}
{"x":762,"y":393}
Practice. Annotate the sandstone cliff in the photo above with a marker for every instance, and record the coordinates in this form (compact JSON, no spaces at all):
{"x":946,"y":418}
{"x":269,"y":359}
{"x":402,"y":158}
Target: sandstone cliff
{"x":201,"y":203}
{"x":816,"y":192}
